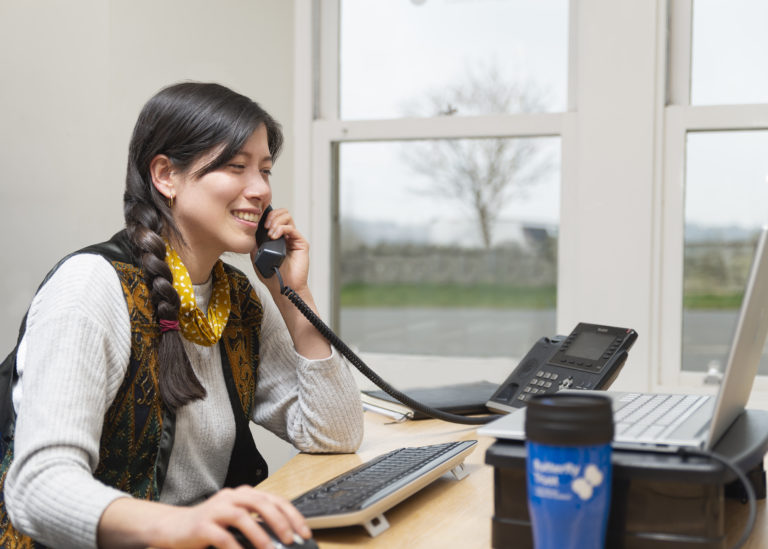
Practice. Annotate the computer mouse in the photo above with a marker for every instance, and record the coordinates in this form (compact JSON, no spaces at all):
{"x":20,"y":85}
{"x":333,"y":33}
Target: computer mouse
{"x":299,"y":542}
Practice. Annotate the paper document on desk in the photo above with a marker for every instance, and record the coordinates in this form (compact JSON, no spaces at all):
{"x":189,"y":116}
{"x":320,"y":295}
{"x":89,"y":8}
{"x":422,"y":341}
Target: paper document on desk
{"x":398,"y":412}
{"x":461,"y":398}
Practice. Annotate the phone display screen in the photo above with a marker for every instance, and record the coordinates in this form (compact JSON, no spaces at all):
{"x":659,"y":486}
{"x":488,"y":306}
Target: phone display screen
{"x":589,"y":345}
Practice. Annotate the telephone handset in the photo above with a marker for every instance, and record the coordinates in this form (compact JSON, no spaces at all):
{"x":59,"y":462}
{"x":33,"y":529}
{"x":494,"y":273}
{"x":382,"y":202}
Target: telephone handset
{"x":589,"y":358}
{"x":271,"y":253}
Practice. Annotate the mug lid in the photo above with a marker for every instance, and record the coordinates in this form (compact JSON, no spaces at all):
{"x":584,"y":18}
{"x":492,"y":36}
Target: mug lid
{"x":569,"y":419}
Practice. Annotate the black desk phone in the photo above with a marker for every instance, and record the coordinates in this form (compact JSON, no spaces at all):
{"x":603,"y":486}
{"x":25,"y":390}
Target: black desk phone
{"x":589,"y":358}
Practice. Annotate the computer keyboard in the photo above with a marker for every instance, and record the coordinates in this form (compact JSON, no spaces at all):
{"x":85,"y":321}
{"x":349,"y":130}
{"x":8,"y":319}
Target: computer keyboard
{"x":363,"y":494}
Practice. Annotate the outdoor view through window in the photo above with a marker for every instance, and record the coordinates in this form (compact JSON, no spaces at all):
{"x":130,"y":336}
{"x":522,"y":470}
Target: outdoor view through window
{"x":449,"y":246}
{"x":726,"y":187}
{"x":725,"y":206}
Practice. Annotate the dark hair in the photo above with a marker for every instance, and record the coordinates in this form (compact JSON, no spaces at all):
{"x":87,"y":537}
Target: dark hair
{"x":183,"y":121}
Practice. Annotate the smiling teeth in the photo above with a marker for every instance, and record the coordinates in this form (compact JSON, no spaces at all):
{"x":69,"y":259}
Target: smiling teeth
{"x":247,"y":216}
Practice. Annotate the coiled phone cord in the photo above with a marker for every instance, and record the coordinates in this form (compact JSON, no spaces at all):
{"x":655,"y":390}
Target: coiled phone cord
{"x":358,"y":363}
{"x":342,"y":347}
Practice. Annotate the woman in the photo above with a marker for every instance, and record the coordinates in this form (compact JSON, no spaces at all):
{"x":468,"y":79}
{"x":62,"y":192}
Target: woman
{"x":131,"y":403}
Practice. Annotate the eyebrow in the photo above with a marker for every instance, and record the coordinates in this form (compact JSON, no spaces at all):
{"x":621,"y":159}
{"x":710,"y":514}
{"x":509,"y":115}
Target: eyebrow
{"x":267,"y":158}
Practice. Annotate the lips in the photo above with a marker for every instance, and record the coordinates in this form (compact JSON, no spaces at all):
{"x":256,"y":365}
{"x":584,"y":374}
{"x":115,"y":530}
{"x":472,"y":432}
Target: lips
{"x":247,"y":216}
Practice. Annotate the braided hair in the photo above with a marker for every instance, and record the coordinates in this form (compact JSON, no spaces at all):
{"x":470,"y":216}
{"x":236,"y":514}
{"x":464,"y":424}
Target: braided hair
{"x":183,"y":122}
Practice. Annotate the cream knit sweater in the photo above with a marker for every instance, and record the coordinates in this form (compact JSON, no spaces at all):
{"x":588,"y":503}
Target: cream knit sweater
{"x":71,"y":362}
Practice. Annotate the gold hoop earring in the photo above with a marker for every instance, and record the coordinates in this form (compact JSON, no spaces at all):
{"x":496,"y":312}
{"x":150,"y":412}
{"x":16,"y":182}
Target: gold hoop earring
{"x":170,"y":201}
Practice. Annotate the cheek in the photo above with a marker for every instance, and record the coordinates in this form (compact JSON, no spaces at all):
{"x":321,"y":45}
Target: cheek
{"x":217,"y":193}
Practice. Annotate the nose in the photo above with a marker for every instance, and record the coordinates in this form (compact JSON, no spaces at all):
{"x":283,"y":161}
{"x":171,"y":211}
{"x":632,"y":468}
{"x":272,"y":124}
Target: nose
{"x":258,"y":188}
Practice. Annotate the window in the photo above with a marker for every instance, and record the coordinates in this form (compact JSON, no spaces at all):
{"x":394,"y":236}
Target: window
{"x":620,"y":96}
{"x":398,"y":57}
{"x":726,"y":194}
{"x":447,"y":233}
{"x":717,"y":135}
{"x":448,"y":246}
{"x":728,"y":52}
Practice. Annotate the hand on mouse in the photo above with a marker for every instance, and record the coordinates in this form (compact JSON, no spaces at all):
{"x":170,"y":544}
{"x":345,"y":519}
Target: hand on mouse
{"x":208,"y":523}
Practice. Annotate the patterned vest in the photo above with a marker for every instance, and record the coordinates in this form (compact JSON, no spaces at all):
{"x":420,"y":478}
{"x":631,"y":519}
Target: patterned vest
{"x":138,"y":432}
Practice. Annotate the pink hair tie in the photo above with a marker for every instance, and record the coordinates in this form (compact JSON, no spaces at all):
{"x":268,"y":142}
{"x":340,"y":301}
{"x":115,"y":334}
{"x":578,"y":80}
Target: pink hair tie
{"x":167,"y":325}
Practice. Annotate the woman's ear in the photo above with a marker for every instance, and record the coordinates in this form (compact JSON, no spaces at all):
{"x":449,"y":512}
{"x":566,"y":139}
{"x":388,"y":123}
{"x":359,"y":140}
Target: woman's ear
{"x":162,"y":171}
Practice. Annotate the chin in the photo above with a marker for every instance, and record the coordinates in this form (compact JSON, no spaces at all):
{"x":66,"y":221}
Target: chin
{"x":242,"y":246}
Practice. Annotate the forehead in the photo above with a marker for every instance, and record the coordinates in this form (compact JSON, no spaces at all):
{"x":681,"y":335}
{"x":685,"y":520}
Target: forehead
{"x":257,"y":145}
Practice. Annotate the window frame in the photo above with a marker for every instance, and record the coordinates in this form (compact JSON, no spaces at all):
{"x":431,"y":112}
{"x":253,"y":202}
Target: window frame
{"x":622,"y":169}
{"x":329,"y":131}
{"x":680,"y":119}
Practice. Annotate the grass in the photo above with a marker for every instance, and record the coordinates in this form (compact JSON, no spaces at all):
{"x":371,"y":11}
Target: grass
{"x":489,"y":295}
{"x":712,"y":300}
{"x":447,"y":295}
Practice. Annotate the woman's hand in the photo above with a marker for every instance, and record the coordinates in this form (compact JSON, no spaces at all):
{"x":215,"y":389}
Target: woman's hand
{"x":202,"y":525}
{"x":294,"y":272}
{"x":207,"y":522}
{"x":295,"y":267}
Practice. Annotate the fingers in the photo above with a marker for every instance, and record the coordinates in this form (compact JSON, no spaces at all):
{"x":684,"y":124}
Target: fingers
{"x":285,"y":518}
{"x":279,"y":514}
{"x":279,"y":222}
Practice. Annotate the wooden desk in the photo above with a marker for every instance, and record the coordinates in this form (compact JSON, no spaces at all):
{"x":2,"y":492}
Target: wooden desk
{"x":447,"y":513}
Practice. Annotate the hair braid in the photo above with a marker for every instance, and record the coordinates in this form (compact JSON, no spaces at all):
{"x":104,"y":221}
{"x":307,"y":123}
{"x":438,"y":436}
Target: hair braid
{"x":178,"y":382}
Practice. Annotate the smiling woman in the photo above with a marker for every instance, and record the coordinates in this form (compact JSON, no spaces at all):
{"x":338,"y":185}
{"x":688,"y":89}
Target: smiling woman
{"x":216,"y":210}
{"x":166,"y":353}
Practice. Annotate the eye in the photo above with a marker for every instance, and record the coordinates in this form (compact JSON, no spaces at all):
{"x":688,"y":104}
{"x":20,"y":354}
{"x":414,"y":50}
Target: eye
{"x":237,"y":166}
{"x":267,"y":172}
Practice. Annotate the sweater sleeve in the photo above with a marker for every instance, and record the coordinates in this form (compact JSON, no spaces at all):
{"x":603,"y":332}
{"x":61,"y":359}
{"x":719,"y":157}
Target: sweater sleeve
{"x":71,"y":362}
{"x":313,"y":404}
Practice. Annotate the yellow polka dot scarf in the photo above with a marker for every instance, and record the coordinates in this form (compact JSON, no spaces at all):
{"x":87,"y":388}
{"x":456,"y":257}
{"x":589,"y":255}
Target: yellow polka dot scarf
{"x":195,"y":326}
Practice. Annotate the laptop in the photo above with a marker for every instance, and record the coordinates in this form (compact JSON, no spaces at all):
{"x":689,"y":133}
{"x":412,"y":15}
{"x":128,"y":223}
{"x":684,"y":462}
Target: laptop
{"x":667,"y":422}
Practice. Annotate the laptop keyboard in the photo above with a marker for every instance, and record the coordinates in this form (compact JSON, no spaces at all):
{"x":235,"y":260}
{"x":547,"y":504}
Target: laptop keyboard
{"x":646,"y":416}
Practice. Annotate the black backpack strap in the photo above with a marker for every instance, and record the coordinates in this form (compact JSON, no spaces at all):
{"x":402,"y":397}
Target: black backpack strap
{"x":246,"y":464}
{"x":116,"y":248}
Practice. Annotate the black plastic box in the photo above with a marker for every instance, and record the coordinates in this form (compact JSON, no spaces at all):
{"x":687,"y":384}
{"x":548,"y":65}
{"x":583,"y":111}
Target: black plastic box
{"x":658,"y":500}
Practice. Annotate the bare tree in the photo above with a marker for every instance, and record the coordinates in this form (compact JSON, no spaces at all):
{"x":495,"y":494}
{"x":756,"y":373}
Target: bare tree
{"x":482,"y":173}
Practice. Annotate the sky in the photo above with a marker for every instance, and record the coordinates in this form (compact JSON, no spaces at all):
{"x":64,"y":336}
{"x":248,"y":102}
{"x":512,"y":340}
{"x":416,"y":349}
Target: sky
{"x":396,"y":50}
{"x":727,"y":172}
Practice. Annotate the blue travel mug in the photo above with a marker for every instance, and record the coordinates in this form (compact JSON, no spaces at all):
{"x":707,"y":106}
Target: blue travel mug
{"x":568,"y":469}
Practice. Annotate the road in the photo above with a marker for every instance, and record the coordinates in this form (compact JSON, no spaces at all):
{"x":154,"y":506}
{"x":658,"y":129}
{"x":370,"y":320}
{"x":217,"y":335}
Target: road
{"x":494,"y":332}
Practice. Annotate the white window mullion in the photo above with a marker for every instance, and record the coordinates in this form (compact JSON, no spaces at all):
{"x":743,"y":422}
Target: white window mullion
{"x":512,"y":125}
{"x":723,"y":117}
{"x":679,"y":52}
{"x":329,"y":60}
{"x":321,"y":223}
{"x":670,"y":320}
{"x":304,"y":71}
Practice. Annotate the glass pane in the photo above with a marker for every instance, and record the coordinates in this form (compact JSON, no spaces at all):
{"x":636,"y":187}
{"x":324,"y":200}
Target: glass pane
{"x":728,"y":52}
{"x":425,"y":58}
{"x":725,"y":206}
{"x":420,"y":273}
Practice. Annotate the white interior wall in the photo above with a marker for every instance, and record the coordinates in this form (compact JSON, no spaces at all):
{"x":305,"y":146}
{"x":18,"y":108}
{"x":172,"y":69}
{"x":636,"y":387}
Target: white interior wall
{"x":74,"y":77}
